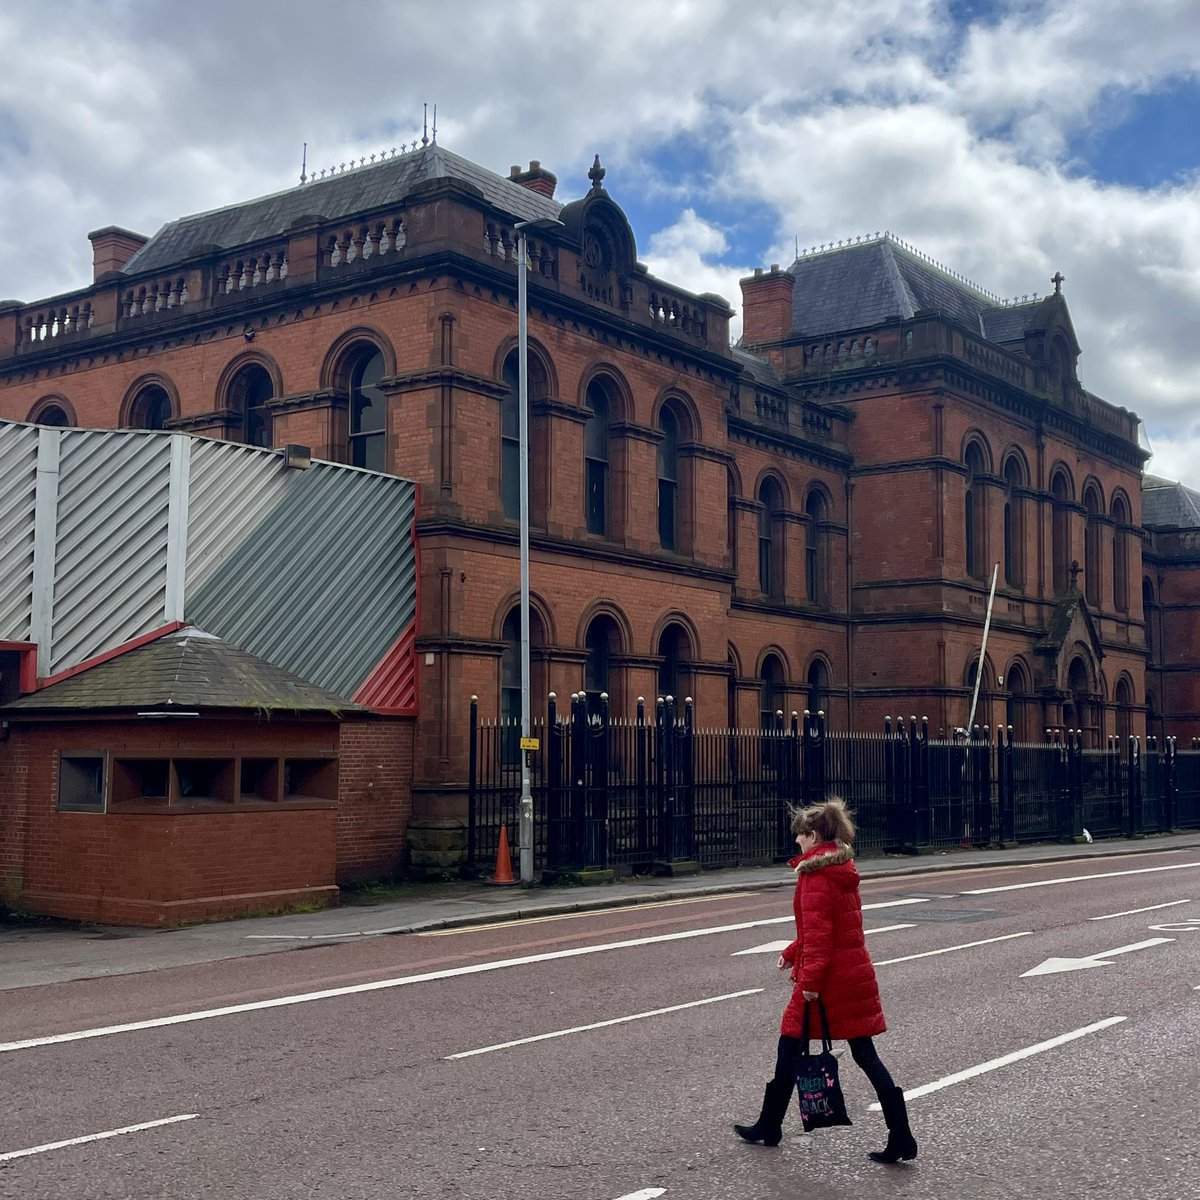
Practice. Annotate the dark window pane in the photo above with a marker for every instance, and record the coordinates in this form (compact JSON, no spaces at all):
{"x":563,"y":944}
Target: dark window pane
{"x":597,"y":499}
{"x":666,"y":514}
{"x":510,"y":477}
{"x":369,"y":450}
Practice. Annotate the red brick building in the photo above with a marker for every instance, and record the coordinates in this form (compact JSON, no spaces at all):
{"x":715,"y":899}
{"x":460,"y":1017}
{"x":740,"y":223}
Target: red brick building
{"x":808,"y":519}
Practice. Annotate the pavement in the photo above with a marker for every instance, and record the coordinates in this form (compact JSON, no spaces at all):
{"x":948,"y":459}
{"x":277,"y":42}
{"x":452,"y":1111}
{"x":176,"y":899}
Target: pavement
{"x":34,"y":953}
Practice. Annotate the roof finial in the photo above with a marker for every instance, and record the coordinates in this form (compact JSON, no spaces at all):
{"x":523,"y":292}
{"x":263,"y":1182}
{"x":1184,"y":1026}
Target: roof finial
{"x":1058,"y":279}
{"x":596,"y":175}
{"x":304,"y":165}
{"x":435,"y":124}
{"x":425,"y":126}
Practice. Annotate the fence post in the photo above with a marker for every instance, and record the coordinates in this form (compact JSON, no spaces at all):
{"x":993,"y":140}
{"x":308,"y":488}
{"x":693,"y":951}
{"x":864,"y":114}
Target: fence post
{"x":1169,"y":787}
{"x":919,"y":781}
{"x":665,"y":775}
{"x":981,"y":783}
{"x":577,"y":787}
{"x":1135,"y":787}
{"x":814,"y":756}
{"x":472,"y":785}
{"x":1005,"y":764}
{"x":687,"y":800}
{"x":641,"y":780}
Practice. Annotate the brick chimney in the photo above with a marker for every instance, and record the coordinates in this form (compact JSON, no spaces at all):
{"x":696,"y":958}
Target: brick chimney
{"x":112,"y":248}
{"x":536,"y":179}
{"x":767,"y":305}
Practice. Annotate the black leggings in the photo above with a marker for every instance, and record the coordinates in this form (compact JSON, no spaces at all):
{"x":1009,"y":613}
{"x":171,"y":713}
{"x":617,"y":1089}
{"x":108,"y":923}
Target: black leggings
{"x":861,"y":1049}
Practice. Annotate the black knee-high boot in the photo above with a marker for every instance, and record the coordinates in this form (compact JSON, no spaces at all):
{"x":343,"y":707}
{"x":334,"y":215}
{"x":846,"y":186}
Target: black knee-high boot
{"x":900,"y":1144}
{"x":768,"y":1129}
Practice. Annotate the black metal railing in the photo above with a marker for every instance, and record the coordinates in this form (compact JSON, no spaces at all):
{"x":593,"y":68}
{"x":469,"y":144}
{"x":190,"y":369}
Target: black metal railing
{"x":655,"y":793}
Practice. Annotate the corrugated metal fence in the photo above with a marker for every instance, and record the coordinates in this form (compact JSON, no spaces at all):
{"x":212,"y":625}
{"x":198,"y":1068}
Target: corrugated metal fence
{"x":643,"y":794}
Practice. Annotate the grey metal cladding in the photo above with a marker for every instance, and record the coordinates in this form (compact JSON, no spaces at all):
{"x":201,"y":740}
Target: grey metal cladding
{"x":232,"y":487}
{"x":321,"y":582}
{"x":109,"y":578}
{"x":18,"y":484}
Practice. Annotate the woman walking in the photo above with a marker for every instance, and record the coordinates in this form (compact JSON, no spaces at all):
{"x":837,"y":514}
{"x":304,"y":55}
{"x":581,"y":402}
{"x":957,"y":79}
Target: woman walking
{"x":829,"y":960}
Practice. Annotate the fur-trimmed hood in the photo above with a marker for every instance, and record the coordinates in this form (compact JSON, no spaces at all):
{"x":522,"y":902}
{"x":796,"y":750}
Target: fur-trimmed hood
{"x":827,"y":854}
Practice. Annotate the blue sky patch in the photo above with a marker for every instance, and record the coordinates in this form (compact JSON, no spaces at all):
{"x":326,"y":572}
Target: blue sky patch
{"x":1142,"y":140}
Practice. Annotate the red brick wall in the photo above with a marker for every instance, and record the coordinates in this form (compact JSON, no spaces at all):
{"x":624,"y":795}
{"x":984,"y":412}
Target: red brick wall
{"x":374,"y":798}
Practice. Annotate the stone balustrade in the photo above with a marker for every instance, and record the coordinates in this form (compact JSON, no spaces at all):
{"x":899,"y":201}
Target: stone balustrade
{"x":145,"y":298}
{"x":251,"y":269}
{"x":359,"y":243}
{"x":51,"y":320}
{"x":676,"y":313}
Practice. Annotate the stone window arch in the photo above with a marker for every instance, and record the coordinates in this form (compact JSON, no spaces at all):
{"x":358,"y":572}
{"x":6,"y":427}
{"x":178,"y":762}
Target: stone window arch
{"x":1018,"y":702}
{"x":1093,"y":542}
{"x":510,"y":676}
{"x":975,"y":511}
{"x":816,"y":550}
{"x":1014,"y":521}
{"x":246,"y":401}
{"x":671,"y":494}
{"x":676,"y":651}
{"x":361,"y":361}
{"x":1123,"y":698}
{"x":149,"y":404}
{"x":1120,"y":553}
{"x":772,"y":690}
{"x":818,"y":683}
{"x":510,"y":437}
{"x":771,"y":539}
{"x":603,"y":643}
{"x":597,"y":459}
{"x":1062,"y":496}
{"x":54,"y":411}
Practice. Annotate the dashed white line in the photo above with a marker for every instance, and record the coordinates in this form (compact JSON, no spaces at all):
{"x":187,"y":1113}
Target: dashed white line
{"x":1016,"y":887}
{"x":96,"y":1137}
{"x":1007,"y":1059}
{"x":944,"y":950}
{"x":654,"y":1012}
{"x":1129,"y":912}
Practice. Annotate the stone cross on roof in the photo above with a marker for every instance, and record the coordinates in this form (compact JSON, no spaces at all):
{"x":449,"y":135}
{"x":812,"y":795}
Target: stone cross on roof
{"x":1058,"y":279}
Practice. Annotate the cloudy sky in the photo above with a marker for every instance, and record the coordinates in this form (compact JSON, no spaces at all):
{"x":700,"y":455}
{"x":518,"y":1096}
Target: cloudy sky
{"x":1008,"y":139}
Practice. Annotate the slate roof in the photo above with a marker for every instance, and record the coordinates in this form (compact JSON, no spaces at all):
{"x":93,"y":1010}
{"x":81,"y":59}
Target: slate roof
{"x":187,"y":670}
{"x":760,"y":369}
{"x":334,"y":198}
{"x":1167,"y":503}
{"x":864,"y":284}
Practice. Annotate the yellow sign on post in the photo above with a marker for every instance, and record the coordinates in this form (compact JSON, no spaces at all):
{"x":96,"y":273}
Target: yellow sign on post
{"x":530,"y":744}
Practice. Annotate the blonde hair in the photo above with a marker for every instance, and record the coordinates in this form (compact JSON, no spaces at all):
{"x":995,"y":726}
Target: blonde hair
{"x":830,"y":821}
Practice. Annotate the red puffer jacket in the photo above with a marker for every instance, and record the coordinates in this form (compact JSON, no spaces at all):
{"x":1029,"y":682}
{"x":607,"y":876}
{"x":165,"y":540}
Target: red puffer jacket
{"x":829,"y":955}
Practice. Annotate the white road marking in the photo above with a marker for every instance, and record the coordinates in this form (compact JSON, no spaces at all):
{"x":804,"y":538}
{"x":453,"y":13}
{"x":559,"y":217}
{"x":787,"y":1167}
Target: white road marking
{"x":778,"y":947}
{"x":570,"y":916}
{"x":379,"y":985}
{"x":1006,"y":1060}
{"x":645,"y":1194}
{"x":887,"y":962}
{"x":1053,"y":966}
{"x":96,"y":1137}
{"x":654,"y":1012}
{"x":1016,"y":887}
{"x":1129,"y":912}
{"x":1189,"y":926}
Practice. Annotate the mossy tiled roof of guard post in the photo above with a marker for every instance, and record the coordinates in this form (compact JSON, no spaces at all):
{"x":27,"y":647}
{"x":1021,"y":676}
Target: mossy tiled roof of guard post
{"x":185,"y":670}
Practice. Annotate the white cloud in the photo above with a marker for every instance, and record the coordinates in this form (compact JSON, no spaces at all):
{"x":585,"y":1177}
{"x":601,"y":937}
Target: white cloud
{"x":819,"y":121}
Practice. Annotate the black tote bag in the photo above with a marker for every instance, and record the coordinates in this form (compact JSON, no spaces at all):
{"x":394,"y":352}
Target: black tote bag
{"x":817,"y":1087}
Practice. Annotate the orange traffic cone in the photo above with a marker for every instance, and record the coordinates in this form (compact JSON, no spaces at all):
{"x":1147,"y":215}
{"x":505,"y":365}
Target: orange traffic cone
{"x":503,"y":876}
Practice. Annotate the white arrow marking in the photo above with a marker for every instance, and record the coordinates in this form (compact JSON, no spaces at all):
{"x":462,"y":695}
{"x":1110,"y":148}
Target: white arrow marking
{"x":644,"y":1194}
{"x":778,"y":947}
{"x":1052,"y":966}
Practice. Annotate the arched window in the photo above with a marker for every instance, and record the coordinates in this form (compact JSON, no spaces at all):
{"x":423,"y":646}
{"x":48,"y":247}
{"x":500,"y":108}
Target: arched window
{"x":151,"y":408}
{"x":668,"y":480}
{"x":596,"y":459}
{"x":731,"y":494}
{"x":1060,"y":531}
{"x":1018,"y":713}
{"x":1092,"y":569}
{"x":770,"y":539}
{"x":674,"y":672}
{"x":1077,"y":711}
{"x":1149,"y":616}
{"x":510,"y":678}
{"x":1120,"y":554}
{"x":975,"y":513}
{"x":814,"y":552}
{"x":53,"y":414}
{"x":368,"y":412}
{"x":248,"y":395}
{"x":1014,"y":523}
{"x":983,"y":705}
{"x":510,"y":437}
{"x":1124,"y":701}
{"x":602,"y":641}
{"x":818,"y":687}
{"x":772,"y":691}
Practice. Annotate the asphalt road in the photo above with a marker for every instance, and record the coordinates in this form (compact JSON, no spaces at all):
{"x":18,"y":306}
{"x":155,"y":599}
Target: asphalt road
{"x":604,"y":1056}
